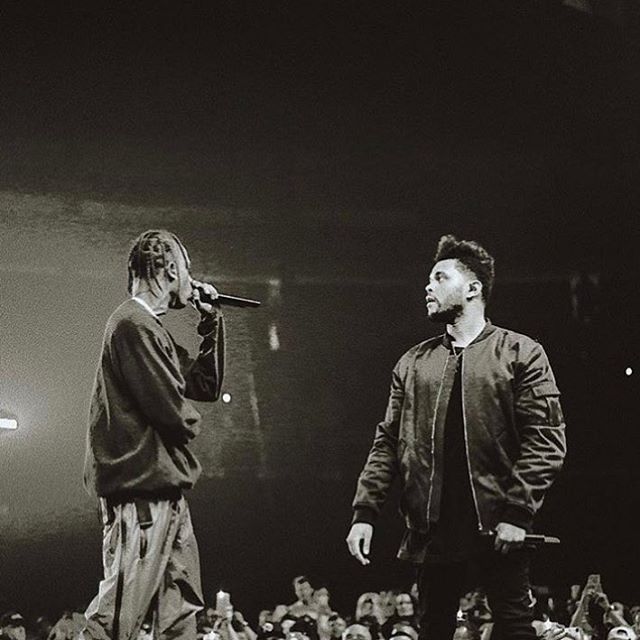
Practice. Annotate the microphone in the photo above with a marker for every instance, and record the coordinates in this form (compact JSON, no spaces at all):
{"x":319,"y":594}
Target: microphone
{"x":232,"y":301}
{"x":530,"y":540}
{"x":225,"y":299}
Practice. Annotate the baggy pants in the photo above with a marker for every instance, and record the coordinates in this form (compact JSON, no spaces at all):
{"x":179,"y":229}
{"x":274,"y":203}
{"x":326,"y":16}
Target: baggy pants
{"x":151,"y":565}
{"x":504,"y":577}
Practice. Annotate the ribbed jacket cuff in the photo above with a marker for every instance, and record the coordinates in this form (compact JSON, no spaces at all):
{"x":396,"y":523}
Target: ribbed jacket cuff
{"x":208,"y":325}
{"x":364,"y":514}
{"x":518,"y":516}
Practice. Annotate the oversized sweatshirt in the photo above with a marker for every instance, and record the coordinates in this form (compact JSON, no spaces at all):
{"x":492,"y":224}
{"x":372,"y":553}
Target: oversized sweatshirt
{"x":140,"y":418}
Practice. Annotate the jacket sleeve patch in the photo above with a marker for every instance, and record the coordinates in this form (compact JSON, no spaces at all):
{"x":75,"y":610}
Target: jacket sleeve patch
{"x":549,"y":393}
{"x":540,"y":404}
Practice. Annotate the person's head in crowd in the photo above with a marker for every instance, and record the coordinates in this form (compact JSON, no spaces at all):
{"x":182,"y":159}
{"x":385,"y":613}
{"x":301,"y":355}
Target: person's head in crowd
{"x":466,"y":601}
{"x":622,"y":633}
{"x":634,"y":614}
{"x":402,"y":631}
{"x":321,"y":596}
{"x":266,"y":615}
{"x":574,"y":592}
{"x":303,"y":589}
{"x":357,"y":631}
{"x":304,"y":628}
{"x":622,"y":610}
{"x":297,"y":633}
{"x":372,"y":623}
{"x":12,"y":626}
{"x":614,"y":612}
{"x":404,"y":605}
{"x":465,"y":632}
{"x":210,"y":615}
{"x":367,"y":605}
{"x":387,"y":603}
{"x":279,"y":612}
{"x":337,"y":625}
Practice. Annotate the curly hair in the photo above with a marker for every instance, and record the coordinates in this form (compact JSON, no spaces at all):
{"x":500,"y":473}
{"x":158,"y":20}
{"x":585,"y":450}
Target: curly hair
{"x":150,"y":254}
{"x":472,"y":257}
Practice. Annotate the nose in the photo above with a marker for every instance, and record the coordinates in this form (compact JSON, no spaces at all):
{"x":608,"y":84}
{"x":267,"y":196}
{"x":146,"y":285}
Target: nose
{"x":428,"y":288}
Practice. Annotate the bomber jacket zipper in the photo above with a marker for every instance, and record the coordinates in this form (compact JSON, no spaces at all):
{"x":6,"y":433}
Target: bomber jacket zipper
{"x":433,"y":440}
{"x":466,"y":444}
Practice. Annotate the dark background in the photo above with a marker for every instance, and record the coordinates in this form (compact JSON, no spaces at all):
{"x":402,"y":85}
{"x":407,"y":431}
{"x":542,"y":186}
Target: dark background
{"x":311,"y":155}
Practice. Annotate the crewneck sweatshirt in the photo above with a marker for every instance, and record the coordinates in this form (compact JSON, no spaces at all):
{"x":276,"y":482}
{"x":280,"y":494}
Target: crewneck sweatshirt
{"x":140,"y":418}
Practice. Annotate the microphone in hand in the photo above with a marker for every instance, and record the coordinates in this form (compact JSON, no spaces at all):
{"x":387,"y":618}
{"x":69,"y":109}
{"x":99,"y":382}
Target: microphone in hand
{"x":209,"y":295}
{"x":203,"y":296}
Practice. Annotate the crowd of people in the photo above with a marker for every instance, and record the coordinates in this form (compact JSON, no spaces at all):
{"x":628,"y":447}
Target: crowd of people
{"x":586,"y":614}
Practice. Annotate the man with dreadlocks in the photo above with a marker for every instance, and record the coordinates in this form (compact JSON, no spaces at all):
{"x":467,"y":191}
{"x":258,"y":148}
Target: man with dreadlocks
{"x":475,"y":430}
{"x":138,"y":460}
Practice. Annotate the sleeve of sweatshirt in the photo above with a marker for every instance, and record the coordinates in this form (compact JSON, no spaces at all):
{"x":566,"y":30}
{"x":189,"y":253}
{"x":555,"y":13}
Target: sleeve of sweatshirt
{"x":204,"y":374}
{"x":150,"y":369}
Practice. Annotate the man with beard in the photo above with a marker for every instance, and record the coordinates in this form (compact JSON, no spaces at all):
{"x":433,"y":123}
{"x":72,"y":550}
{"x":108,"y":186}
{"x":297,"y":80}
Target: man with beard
{"x":475,"y":431}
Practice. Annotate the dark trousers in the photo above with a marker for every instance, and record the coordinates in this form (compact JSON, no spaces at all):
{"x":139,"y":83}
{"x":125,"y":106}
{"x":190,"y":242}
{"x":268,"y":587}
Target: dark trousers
{"x":505,"y":579}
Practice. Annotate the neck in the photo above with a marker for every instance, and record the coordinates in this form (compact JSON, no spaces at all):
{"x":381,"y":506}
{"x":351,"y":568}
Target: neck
{"x":467,"y":326}
{"x":159,"y":302}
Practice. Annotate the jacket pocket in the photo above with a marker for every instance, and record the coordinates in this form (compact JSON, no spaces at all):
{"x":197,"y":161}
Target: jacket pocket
{"x":185,"y":534}
{"x":546,"y":388}
{"x":110,"y":539}
{"x":549,"y":393}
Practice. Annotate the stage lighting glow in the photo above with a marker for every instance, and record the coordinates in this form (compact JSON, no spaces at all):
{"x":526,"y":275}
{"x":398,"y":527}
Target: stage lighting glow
{"x":274,"y":339}
{"x":8,"y":423}
{"x":628,"y":371}
{"x":226,"y":398}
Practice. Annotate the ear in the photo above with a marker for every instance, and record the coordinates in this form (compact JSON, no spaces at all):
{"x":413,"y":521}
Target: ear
{"x":474,"y":289}
{"x":171,"y":270}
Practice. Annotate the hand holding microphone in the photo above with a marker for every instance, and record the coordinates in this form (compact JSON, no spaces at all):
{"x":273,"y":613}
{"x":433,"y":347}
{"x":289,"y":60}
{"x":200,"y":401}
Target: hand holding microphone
{"x":203,"y":296}
{"x":206,"y":294}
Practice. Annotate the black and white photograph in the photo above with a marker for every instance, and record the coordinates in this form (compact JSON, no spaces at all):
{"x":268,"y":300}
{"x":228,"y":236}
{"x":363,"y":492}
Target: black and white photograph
{"x":316,"y":320}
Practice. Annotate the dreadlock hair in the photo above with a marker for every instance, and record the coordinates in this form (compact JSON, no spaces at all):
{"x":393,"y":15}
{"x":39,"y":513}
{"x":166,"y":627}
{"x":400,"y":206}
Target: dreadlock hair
{"x":472,"y":256}
{"x":150,"y":254}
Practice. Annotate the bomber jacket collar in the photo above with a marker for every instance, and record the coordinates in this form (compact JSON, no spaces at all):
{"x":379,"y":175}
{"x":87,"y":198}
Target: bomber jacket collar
{"x":489,"y":328}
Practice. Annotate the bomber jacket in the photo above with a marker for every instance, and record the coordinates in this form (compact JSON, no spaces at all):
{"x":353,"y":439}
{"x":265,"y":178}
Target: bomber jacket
{"x":513,"y":423}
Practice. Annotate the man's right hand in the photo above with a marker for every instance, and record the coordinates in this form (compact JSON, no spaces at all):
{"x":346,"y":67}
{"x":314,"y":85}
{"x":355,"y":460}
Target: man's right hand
{"x":208,"y":290}
{"x":359,"y":541}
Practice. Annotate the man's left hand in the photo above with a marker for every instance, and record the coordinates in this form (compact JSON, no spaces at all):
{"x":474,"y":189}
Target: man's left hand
{"x":508,"y":537}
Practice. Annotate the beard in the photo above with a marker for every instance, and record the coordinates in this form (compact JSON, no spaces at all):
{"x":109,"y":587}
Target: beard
{"x":446,"y":316}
